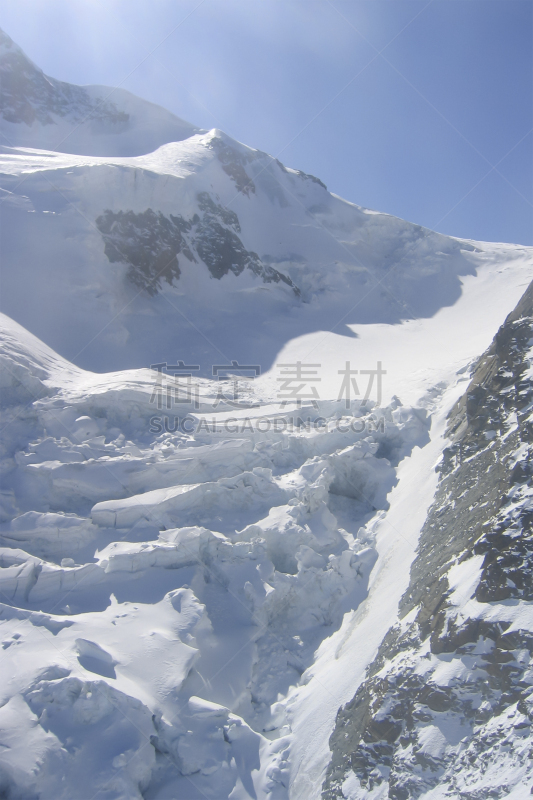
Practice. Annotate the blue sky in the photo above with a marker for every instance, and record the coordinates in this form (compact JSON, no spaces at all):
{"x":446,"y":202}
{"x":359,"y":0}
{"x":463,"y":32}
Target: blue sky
{"x":419,"y":109}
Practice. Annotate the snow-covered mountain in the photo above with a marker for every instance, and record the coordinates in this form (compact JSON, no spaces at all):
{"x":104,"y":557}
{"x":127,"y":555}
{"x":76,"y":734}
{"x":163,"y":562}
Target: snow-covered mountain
{"x":39,"y":111}
{"x":180,"y":250}
{"x":209,"y":577}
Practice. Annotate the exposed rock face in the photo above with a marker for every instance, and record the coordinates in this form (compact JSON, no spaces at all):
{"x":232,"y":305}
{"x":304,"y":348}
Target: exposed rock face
{"x":448,"y":700}
{"x":234,"y":163}
{"x":150,"y":243}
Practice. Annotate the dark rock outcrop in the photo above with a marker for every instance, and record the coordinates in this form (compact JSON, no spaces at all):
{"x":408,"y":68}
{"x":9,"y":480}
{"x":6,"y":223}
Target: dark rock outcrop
{"x":149,"y":243}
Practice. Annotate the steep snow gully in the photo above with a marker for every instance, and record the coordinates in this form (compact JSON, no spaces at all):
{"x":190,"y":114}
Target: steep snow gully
{"x":210,"y":585}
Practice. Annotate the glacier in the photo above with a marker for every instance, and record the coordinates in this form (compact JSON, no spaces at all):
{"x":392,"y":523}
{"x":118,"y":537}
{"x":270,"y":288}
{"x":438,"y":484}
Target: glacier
{"x":201,"y":569}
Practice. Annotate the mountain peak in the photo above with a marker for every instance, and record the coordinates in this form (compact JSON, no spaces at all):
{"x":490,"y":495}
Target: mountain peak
{"x":44,"y":113}
{"x":7,"y":45}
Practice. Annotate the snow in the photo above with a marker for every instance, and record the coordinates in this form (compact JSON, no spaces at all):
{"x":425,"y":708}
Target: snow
{"x":357,"y":272}
{"x":186,"y":605}
{"x":207,"y":585}
{"x":218,"y":585}
{"x":225,"y":556}
{"x":341,"y":661}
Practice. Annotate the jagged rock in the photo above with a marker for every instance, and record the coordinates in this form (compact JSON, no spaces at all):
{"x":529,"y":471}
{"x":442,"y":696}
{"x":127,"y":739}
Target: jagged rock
{"x":150,"y":243}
